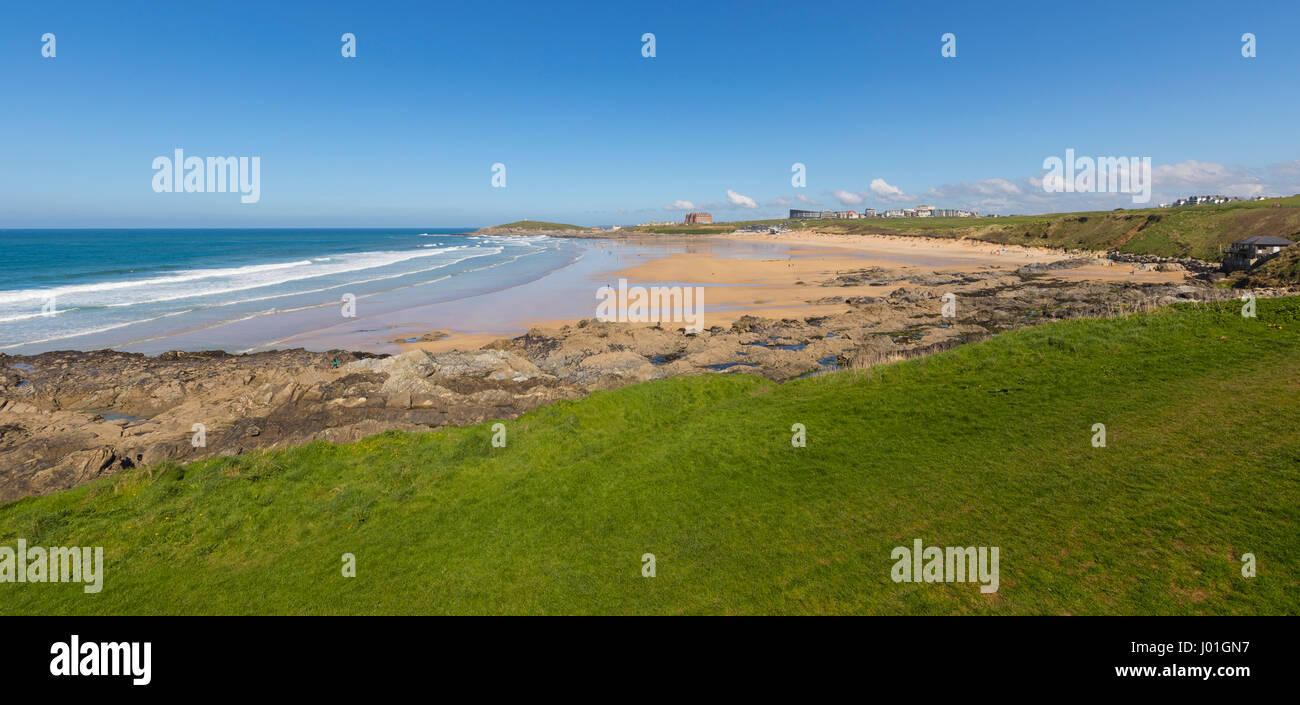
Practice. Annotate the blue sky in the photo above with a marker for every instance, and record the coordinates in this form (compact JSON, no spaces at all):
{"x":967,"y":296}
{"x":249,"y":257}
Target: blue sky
{"x":592,"y":132}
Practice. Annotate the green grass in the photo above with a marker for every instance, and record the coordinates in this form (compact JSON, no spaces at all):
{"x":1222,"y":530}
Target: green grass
{"x":1191,"y":231}
{"x":985,"y":445}
{"x":539,"y":225}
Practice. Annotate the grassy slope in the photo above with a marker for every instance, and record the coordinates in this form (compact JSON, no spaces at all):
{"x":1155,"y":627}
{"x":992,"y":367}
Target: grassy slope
{"x":987,"y":444}
{"x":536,"y":225}
{"x":1196,"y":231}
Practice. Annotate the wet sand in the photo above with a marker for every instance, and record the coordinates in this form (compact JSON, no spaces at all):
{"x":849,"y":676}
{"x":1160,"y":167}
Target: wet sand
{"x":744,"y":274}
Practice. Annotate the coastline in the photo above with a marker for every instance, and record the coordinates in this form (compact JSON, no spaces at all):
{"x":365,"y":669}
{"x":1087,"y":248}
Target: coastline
{"x":514,"y":309}
{"x":462,"y":307}
{"x":774,"y":281}
{"x":242,"y":289}
{"x":779,"y":310}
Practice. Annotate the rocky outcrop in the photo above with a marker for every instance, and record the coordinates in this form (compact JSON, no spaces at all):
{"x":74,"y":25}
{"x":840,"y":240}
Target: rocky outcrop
{"x":1071,"y":263}
{"x":1190,"y":264}
{"x":69,"y":417}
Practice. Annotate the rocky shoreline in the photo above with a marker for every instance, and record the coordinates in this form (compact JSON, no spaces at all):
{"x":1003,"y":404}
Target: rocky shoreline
{"x":1190,"y":264}
{"x":69,"y":417}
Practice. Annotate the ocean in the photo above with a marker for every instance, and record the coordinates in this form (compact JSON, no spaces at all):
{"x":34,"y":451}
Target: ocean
{"x":150,"y":290}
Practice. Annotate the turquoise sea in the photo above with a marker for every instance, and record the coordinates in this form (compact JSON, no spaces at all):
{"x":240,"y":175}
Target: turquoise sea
{"x":149,"y":290}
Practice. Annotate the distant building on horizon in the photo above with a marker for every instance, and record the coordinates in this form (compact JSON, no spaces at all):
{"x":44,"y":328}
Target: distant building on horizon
{"x":819,"y":215}
{"x":700,"y":218}
{"x":1202,"y":200}
{"x":917,"y":212}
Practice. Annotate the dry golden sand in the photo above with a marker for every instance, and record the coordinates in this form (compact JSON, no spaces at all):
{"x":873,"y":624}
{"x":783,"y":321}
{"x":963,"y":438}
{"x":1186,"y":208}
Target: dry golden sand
{"x":784,"y":285}
{"x":453,"y":341}
{"x":978,"y":251}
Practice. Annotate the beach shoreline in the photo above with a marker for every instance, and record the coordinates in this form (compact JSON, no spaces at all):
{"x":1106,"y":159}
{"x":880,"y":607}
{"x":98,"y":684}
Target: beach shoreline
{"x":465,"y":306}
{"x":741,"y":283}
{"x":779,"y":310}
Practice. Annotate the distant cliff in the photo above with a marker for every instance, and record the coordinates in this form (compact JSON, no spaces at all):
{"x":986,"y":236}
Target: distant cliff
{"x":541,"y":227}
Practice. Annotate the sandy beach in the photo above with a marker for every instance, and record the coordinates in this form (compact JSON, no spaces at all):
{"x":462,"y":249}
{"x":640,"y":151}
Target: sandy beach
{"x":783,"y":308}
{"x":770,"y":276}
{"x":510,"y":284}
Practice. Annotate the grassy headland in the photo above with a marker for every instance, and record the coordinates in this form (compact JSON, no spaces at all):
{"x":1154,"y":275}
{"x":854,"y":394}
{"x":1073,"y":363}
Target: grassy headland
{"x":984,"y":445}
{"x":1191,"y":231}
{"x":540,"y":225}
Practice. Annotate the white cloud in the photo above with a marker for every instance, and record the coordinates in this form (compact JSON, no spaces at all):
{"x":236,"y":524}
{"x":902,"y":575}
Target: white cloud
{"x":888,"y":192}
{"x":848,"y":198}
{"x":1192,"y":173}
{"x":1169,"y":182}
{"x":1286,"y":169}
{"x":736,"y":199}
{"x":1209,"y":176}
{"x":987,"y":187}
{"x":994,"y":193}
{"x":1025,"y":194}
